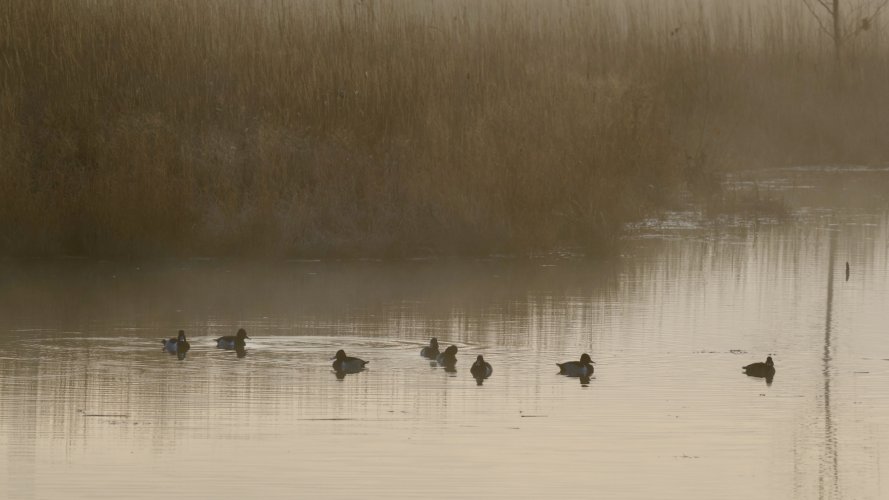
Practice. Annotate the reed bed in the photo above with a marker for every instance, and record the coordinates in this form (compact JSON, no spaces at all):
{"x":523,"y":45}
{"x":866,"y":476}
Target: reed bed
{"x":400,"y":127}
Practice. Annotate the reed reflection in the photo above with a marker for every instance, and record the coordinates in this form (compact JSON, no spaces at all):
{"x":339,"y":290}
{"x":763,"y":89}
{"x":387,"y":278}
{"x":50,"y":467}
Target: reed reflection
{"x":683,"y":297}
{"x":830,"y":460}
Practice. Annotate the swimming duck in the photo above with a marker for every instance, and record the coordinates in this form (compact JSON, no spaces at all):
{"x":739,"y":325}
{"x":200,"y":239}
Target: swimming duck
{"x":448,"y":357}
{"x":481,"y":368}
{"x":347,"y":364}
{"x":176,"y":345}
{"x":233,"y":341}
{"x":582,"y":368}
{"x":766,"y":369}
{"x":430,"y":351}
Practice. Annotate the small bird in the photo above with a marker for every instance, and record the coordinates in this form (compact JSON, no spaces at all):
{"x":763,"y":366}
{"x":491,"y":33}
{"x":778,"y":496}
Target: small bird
{"x":766,"y":369}
{"x":233,"y":341}
{"x":582,"y":368}
{"x":481,"y":368}
{"x":176,"y":345}
{"x":448,"y":357}
{"x":346,"y":364}
{"x":430,"y":351}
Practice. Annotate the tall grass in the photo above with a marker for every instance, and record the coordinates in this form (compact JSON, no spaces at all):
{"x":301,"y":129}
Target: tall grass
{"x":381,"y":127}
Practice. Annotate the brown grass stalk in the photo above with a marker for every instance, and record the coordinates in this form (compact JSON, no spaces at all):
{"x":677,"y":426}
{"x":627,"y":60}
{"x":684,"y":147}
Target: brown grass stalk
{"x":398,"y":127}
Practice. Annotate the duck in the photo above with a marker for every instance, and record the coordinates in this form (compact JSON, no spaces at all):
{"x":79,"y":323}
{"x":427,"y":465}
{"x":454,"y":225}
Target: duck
{"x":582,"y":368}
{"x":233,"y":341}
{"x":448,"y":357}
{"x":176,"y":345}
{"x":347,"y":364}
{"x":766,"y":369}
{"x":481,"y":368}
{"x":430,"y":351}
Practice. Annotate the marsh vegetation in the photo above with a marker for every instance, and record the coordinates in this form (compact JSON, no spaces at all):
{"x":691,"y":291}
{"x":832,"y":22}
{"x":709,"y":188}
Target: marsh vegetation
{"x":392,"y":127}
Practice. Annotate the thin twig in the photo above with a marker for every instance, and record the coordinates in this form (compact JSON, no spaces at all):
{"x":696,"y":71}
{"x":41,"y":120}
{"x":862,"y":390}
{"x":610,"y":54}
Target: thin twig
{"x":861,"y":26}
{"x":826,"y":6}
{"x":818,"y":18}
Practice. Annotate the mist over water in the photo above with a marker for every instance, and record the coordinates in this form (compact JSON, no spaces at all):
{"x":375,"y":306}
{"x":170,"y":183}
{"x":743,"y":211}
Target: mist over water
{"x":90,"y":407}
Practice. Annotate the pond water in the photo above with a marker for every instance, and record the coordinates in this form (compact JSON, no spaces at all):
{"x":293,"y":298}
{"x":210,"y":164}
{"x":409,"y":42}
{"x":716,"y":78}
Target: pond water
{"x":91,"y":408}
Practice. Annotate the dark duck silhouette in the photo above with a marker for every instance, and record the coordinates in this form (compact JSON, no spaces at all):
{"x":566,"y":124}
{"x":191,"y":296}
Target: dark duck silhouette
{"x":763,"y":370}
{"x":449,"y":357}
{"x":347,"y":364}
{"x":177,"y":345}
{"x":233,"y":341}
{"x":582,"y":368}
{"x":431,"y":350}
{"x":481,"y":369}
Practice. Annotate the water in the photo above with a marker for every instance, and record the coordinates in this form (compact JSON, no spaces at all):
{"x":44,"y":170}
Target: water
{"x":91,"y":408}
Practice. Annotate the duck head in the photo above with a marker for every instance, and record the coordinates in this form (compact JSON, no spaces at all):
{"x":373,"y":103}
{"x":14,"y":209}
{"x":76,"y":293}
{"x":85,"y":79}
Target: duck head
{"x":181,"y":337}
{"x":585,"y":359}
{"x":340,"y":355}
{"x":451,"y":351}
{"x":433,"y":342}
{"x":769,"y":362}
{"x":480,"y":360}
{"x":242,"y":334}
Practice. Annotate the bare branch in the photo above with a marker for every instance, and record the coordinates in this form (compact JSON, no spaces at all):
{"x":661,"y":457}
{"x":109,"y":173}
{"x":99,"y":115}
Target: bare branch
{"x":856,"y":10}
{"x":866,"y":22}
{"x":878,"y":9}
{"x":826,"y":6}
{"x":811,"y":9}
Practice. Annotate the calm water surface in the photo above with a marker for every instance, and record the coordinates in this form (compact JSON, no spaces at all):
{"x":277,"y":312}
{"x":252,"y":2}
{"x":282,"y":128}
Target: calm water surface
{"x":91,"y":408}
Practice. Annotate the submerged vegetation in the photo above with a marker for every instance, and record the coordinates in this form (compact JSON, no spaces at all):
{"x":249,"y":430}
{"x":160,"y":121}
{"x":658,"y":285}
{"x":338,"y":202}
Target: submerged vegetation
{"x":398,"y":127}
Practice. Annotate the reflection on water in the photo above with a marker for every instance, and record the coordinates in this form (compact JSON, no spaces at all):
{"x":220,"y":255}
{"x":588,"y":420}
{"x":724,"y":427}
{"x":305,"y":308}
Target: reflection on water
{"x":829,"y":472}
{"x":90,"y":408}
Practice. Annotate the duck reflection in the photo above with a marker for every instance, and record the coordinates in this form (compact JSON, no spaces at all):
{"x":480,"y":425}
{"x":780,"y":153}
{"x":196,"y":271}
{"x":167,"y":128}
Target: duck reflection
{"x":240,"y":351}
{"x":584,"y":380}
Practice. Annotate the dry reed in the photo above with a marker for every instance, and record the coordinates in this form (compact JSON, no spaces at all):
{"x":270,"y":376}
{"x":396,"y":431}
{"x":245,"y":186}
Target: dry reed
{"x":289,"y":127}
